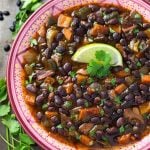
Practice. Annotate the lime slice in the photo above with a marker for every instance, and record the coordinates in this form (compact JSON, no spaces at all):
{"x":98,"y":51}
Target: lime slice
{"x":86,"y":53}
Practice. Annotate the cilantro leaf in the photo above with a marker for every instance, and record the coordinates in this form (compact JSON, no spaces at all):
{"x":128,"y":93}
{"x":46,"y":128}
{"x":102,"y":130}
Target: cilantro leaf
{"x":122,"y":129}
{"x":101,"y":66}
{"x":4,"y":110}
{"x":26,"y":139}
{"x":11,"y":124}
{"x":118,"y":100}
{"x":113,"y":81}
{"x":33,"y":42}
{"x":72,"y":74}
{"x":3,"y":93}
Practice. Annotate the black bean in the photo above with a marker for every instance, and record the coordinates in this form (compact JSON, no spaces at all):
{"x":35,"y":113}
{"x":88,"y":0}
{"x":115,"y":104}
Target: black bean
{"x":99,"y":134}
{"x":39,"y":115}
{"x":72,"y":96}
{"x":53,"y":45}
{"x":114,"y":9}
{"x":104,"y":94}
{"x":120,"y":80}
{"x":48,"y":53}
{"x":139,"y":99}
{"x":12,"y":28}
{"x":97,"y":100}
{"x":117,"y":69}
{"x":123,"y":42}
{"x":55,"y":120}
{"x":61,"y":91}
{"x":62,"y":71}
{"x":120,"y":111}
{"x":146,"y":25}
{"x":51,"y":108}
{"x":53,"y":129}
{"x":129,"y":97}
{"x":80,"y":31}
{"x":116,"y":36}
{"x":92,"y":18}
{"x":143,"y":87}
{"x":59,"y":36}
{"x":6,"y":47}
{"x":107,"y":109}
{"x":143,"y":60}
{"x":77,"y":39}
{"x":137,"y":136}
{"x":127,"y":104}
{"x":64,"y":111}
{"x":67,"y":67}
{"x":61,"y":131}
{"x":31,"y":88}
{"x":60,"y":49}
{"x":111,"y":130}
{"x":87,"y":96}
{"x":80,"y":102}
{"x":69,"y":124}
{"x":105,"y":120}
{"x":75,"y":22}
{"x":58,"y":100}
{"x":133,"y":87}
{"x":40,"y":99}
{"x":78,"y":91}
{"x":113,"y":21}
{"x":120,"y":122}
{"x":95,"y":120}
{"x":18,"y":3}
{"x":94,"y":7}
{"x":1,"y":17}
{"x":147,"y":63}
{"x":141,"y":35}
{"x":6,"y":13}
{"x":100,"y":20}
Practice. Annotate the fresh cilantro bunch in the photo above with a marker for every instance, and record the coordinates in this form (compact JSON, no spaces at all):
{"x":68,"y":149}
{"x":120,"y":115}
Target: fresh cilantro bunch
{"x":16,"y":139}
{"x":99,"y":67}
{"x":27,"y":8}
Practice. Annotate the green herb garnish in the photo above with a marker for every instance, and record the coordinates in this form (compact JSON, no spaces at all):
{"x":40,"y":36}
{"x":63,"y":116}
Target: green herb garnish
{"x":72,"y":74}
{"x":138,"y":64}
{"x":135,"y":31}
{"x":102,"y":112}
{"x":92,"y":132}
{"x":60,"y":81}
{"x":127,"y":70}
{"x":90,"y":80}
{"x":99,"y":67}
{"x":118,"y":100}
{"x":68,"y":104}
{"x":33,"y":42}
{"x":122,"y":129}
{"x":113,"y":81}
{"x":102,"y":102}
{"x":59,"y":126}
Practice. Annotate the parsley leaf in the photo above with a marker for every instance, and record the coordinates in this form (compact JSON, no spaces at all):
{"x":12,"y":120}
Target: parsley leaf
{"x":67,"y":104}
{"x":113,"y":81}
{"x":99,"y":67}
{"x":72,"y":74}
{"x":4,"y":110}
{"x":102,"y":112}
{"x":33,"y":42}
{"x":3,"y":90}
{"x":26,"y":139}
{"x":11,"y":124}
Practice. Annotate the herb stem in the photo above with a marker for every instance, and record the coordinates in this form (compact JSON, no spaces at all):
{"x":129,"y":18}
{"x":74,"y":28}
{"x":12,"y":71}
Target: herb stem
{"x":16,"y":140}
{"x":7,"y":138}
{"x":12,"y":141}
{"x":10,"y":145}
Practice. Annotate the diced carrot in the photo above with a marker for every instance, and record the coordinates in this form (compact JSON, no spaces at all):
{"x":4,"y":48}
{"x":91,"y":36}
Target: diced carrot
{"x":145,"y":79}
{"x":120,"y":48}
{"x":139,"y":54}
{"x":68,"y":87}
{"x":122,"y":74}
{"x":86,"y":140}
{"x":120,"y":88}
{"x":145,"y":108}
{"x":30,"y":99}
{"x":81,"y":78}
{"x":35,"y":35}
{"x":49,"y":80}
{"x":88,"y":111}
{"x":64,"y":21}
{"x":98,"y":29}
{"x":42,"y":31}
{"x":124,"y":139}
{"x":67,"y":33}
{"x":50,"y":114}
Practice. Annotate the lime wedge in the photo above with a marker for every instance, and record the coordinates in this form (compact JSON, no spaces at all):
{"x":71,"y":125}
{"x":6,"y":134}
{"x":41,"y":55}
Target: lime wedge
{"x":86,"y":53}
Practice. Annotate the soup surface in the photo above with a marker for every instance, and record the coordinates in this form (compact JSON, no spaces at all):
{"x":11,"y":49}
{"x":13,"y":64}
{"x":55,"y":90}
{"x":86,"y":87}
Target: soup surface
{"x":97,"y":95}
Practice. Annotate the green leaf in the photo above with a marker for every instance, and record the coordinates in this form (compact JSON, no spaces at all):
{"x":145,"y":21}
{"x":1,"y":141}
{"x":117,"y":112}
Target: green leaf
{"x":2,"y":83}
{"x":113,"y":81}
{"x":86,"y":104}
{"x":90,"y":80}
{"x":36,"y":6}
{"x":135,"y":31}
{"x":33,"y":42}
{"x":127,"y":70}
{"x":59,"y":126}
{"x":111,"y":30}
{"x":105,"y":139}
{"x":138,"y":64}
{"x":118,"y":100}
{"x":22,"y":147}
{"x":122,"y":129}
{"x":3,"y":93}
{"x":92,"y":132}
{"x":102,"y":112}
{"x":4,"y":110}
{"x":11,"y":124}
{"x":102,"y":102}
{"x":68,"y":104}
{"x":50,"y":88}
{"x":60,"y":81}
{"x":26,"y":4}
{"x":26,"y":139}
{"x":72,"y":74}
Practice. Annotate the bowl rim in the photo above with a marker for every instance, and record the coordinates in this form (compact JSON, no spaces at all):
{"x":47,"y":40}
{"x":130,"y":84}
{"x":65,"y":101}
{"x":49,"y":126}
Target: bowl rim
{"x":9,"y":69}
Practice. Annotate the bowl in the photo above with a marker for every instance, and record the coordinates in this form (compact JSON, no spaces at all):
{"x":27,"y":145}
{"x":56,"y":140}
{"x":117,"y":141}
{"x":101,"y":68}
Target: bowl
{"x":15,"y":75}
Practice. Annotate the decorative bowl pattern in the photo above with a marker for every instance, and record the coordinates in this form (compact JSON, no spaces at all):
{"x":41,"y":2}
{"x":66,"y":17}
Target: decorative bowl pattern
{"x":15,"y":74}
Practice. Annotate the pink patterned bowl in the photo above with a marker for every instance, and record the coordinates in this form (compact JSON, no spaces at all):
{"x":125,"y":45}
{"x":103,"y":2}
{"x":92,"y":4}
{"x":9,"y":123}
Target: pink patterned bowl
{"x":15,"y":74}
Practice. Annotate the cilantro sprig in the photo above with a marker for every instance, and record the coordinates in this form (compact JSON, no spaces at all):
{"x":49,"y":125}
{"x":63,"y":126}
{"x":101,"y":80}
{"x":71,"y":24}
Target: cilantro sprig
{"x":15,"y":137}
{"x":99,"y":67}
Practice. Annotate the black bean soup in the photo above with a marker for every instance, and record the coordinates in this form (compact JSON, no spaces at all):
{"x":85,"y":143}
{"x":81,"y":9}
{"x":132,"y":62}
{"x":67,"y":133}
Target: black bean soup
{"x":81,"y":108}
